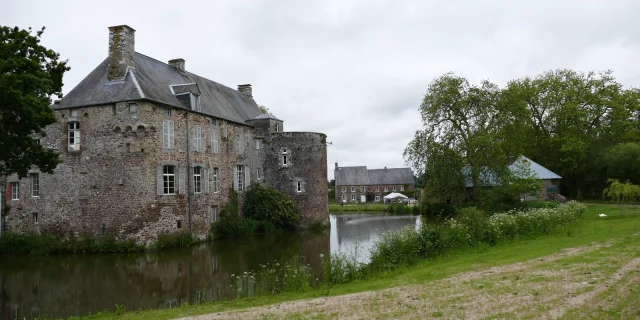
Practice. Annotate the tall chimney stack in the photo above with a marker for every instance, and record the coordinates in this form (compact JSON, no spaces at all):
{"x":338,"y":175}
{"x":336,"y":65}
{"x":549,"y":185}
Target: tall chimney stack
{"x":121,"y":48}
{"x":336,"y":166}
{"x":246,"y":89}
{"x":177,"y":63}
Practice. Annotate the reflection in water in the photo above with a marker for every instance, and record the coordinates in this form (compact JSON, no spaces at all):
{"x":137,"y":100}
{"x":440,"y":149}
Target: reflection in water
{"x":63,"y":286}
{"x":357,"y":233}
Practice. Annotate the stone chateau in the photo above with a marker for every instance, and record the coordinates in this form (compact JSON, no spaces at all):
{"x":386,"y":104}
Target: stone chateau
{"x":149,"y":148}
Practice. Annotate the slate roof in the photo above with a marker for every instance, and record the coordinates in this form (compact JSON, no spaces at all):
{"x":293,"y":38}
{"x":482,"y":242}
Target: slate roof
{"x":266,"y":116}
{"x":537,"y":170}
{"x":151,"y":79}
{"x":360,"y":175}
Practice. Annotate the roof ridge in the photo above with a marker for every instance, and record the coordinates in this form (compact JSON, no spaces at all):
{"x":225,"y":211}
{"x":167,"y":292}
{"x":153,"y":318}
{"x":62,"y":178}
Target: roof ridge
{"x":194,"y":74}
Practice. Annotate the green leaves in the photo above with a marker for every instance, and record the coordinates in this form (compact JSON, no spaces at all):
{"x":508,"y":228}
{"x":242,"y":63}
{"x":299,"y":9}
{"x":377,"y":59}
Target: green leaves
{"x":269,"y":204}
{"x":563,"y":119}
{"x":29,"y":75}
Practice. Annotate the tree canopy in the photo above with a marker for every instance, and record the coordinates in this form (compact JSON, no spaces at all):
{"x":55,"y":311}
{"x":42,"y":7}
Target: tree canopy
{"x":581,"y":126}
{"x":29,"y":75}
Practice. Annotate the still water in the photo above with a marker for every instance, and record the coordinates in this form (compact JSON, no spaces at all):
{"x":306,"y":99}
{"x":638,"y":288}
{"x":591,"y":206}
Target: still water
{"x":62,"y":286}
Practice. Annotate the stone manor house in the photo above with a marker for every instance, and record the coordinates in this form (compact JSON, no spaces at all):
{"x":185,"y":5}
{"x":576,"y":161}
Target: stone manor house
{"x":354,"y":183}
{"x":148,"y":148}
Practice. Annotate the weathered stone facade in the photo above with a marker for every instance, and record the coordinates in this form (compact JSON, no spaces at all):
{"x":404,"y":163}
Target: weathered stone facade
{"x":295,"y":163}
{"x":353,"y":184}
{"x":121,"y":176}
{"x":354,"y":193}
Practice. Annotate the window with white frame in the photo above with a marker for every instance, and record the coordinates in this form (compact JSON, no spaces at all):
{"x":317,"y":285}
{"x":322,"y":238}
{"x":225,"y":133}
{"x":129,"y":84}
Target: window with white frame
{"x":277,"y":127}
{"x":216,"y":180}
{"x":197,"y":138}
{"x":401,"y":188}
{"x":353,"y":189}
{"x":35,"y":185}
{"x":195,"y":102}
{"x":386,"y":189}
{"x":74,"y":135}
{"x":259,"y":173}
{"x":214,"y":213}
{"x":197,"y":179}
{"x":215,"y":134}
{"x":240,"y":177}
{"x":15,"y":190}
{"x":362,"y":188}
{"x":353,"y":197}
{"x":240,"y":141}
{"x":35,"y":217}
{"x":299,"y":186}
{"x":394,"y":188}
{"x":344,"y":197}
{"x":167,"y":111}
{"x":285,"y":157}
{"x":169,"y":179}
{"x":377,"y":198}
{"x":344,"y":189}
{"x":377,"y":189}
{"x":167,"y":134}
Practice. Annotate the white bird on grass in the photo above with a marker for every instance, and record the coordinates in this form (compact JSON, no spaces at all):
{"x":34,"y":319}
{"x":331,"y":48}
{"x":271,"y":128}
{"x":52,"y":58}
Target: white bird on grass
{"x":602,"y":215}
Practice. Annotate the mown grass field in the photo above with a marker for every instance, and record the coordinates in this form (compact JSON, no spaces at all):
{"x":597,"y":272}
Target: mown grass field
{"x":532,"y":271}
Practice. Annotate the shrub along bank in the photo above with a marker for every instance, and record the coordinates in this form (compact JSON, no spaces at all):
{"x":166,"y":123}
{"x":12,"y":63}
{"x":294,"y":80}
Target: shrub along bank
{"x":47,"y":244}
{"x":265,"y":210}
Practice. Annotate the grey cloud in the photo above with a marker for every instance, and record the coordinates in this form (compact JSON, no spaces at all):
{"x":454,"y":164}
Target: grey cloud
{"x":355,"y":70}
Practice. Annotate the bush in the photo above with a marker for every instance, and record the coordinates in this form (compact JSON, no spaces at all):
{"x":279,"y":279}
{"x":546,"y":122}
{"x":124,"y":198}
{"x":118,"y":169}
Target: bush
{"x":399,"y":208}
{"x":270,"y":205}
{"x":436,"y":210}
{"x":231,"y":227}
{"x":476,"y":222}
{"x":403,"y":247}
{"x":174,"y":240}
{"x":46,"y":244}
{"x":471,"y":227}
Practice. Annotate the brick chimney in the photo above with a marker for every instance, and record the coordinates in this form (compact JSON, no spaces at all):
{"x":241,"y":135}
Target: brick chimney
{"x":246,"y":89}
{"x":121,"y":48}
{"x":177,"y":63}
{"x":336,"y":166}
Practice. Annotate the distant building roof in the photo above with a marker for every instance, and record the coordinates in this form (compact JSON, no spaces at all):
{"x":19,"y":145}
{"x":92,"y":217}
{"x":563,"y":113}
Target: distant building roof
{"x":266,"y":116}
{"x":360,"y":175}
{"x":537,"y":170}
{"x":154,"y":80}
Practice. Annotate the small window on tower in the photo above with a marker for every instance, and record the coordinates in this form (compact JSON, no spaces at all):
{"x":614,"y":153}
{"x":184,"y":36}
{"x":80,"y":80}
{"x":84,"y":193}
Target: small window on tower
{"x":133,"y":108}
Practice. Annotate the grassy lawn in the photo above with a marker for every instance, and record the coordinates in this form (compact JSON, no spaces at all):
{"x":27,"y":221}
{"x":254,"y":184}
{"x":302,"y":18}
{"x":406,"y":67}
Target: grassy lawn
{"x":621,"y":224}
{"x":334,"y":207}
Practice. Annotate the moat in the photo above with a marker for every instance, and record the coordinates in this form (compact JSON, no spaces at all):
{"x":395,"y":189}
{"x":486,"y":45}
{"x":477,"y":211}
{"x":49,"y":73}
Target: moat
{"x":68,"y":285}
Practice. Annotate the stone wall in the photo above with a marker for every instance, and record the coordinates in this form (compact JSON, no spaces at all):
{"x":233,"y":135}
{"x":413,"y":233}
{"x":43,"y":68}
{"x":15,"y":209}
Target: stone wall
{"x":111,"y":184}
{"x":380,"y":191}
{"x":303,"y":176}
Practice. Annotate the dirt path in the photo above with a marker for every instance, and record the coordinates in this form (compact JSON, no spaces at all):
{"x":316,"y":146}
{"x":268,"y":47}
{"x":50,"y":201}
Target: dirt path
{"x":545,"y":287}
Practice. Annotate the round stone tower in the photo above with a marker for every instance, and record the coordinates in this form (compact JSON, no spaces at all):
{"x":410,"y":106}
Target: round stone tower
{"x":296,"y":164}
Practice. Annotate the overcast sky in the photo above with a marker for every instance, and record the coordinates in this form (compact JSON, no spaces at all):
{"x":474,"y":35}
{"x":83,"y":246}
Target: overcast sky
{"x":355,"y":70}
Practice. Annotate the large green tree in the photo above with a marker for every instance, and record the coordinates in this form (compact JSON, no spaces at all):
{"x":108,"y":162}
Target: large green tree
{"x":565,"y":120}
{"x":30,"y":75}
{"x":461,"y":122}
